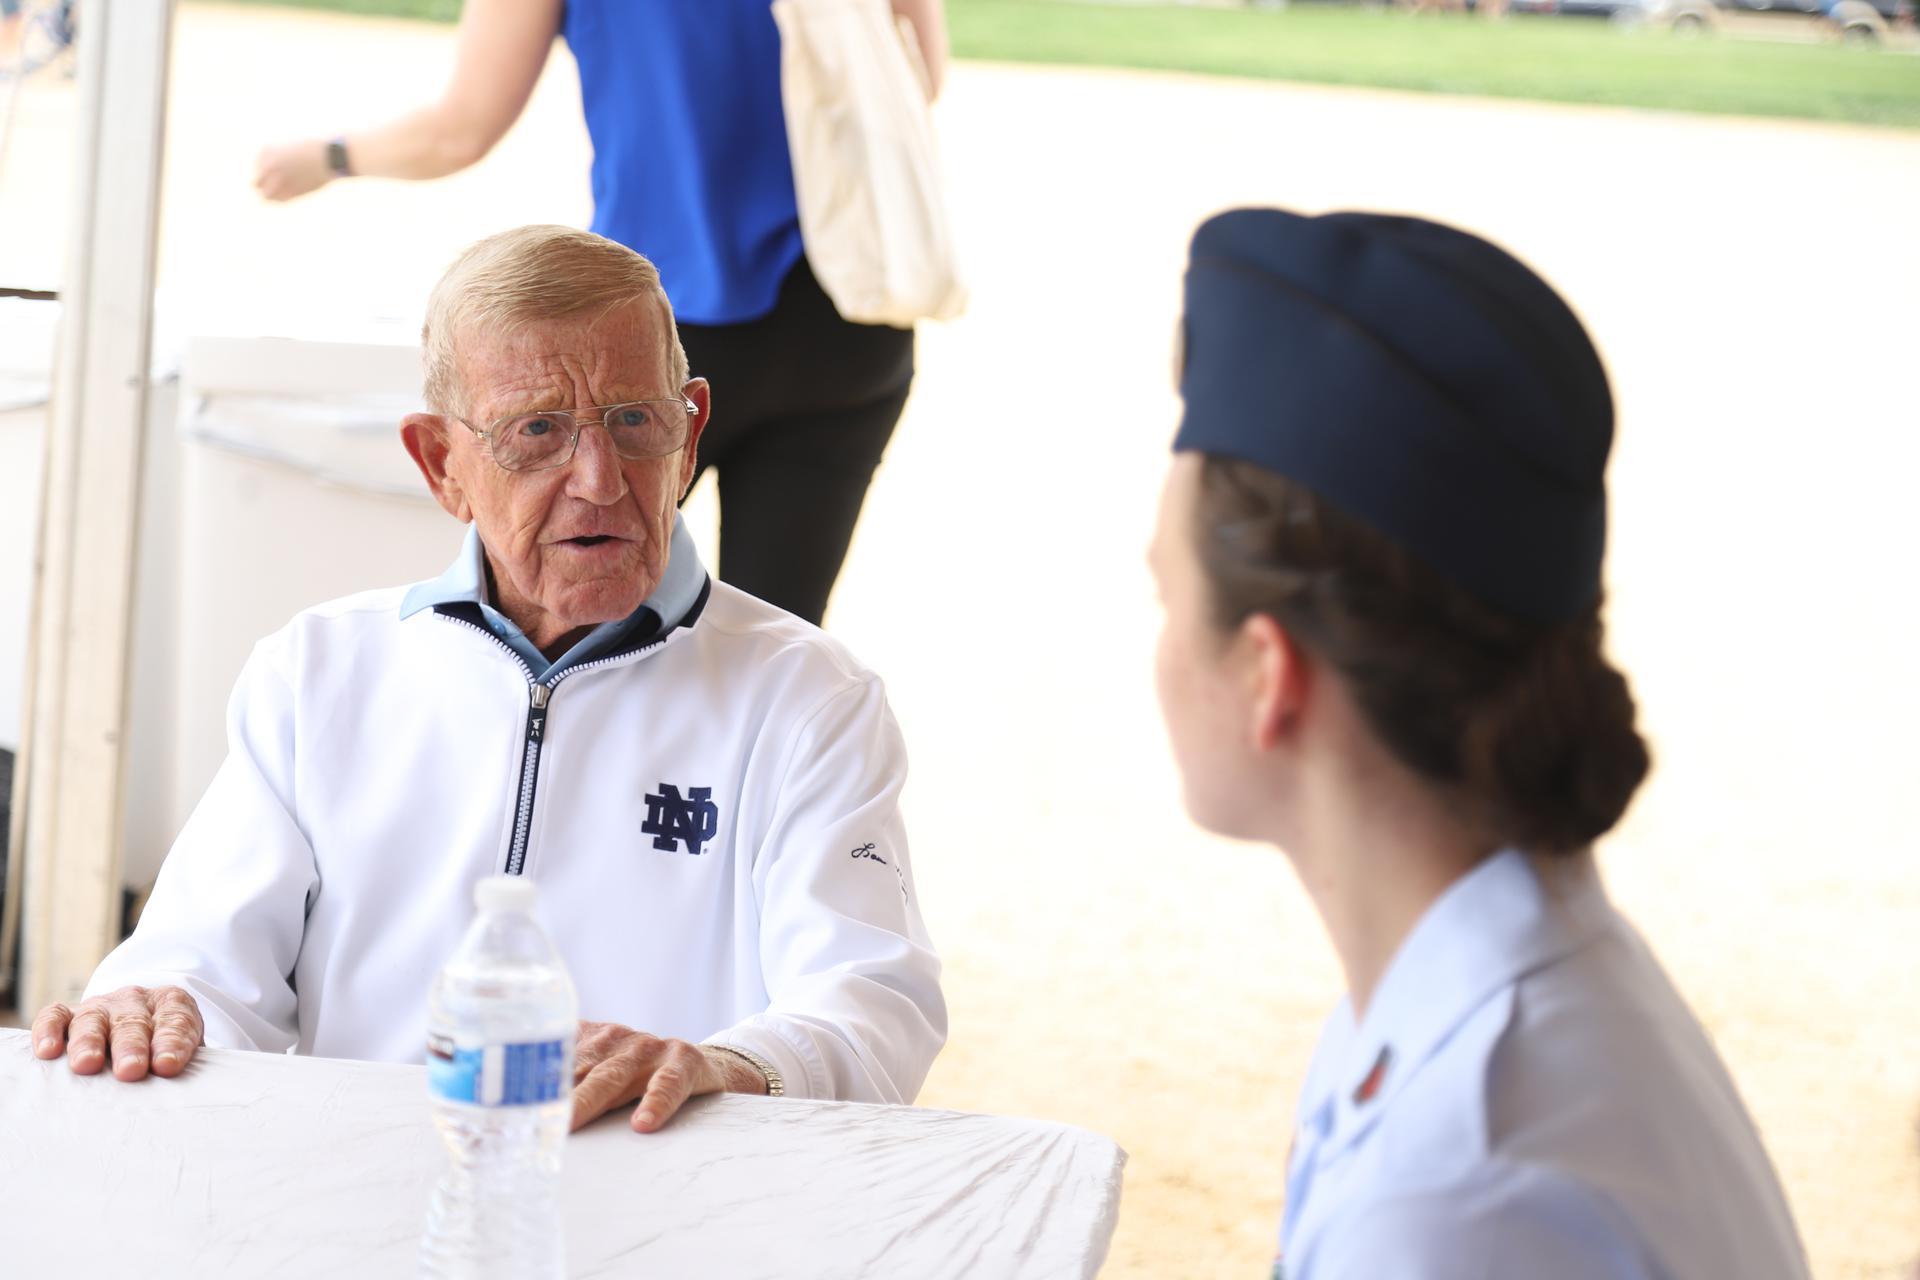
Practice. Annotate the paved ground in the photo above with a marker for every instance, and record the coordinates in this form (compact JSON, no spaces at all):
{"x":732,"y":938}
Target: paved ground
{"x":1753,"y":285}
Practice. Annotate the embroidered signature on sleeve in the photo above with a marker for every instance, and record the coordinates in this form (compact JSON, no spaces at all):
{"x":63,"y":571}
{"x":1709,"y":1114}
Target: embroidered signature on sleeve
{"x":866,"y":851}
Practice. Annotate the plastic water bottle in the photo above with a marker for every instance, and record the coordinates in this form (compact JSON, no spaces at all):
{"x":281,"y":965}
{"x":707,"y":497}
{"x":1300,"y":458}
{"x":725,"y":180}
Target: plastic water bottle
{"x":500,"y":1038}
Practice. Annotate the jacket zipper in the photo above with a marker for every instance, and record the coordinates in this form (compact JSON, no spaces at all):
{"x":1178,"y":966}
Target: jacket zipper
{"x":539,"y":693}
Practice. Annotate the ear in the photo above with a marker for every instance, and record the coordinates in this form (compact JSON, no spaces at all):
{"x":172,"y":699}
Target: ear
{"x":430,"y":447}
{"x":701,"y":394}
{"x":1278,"y":676}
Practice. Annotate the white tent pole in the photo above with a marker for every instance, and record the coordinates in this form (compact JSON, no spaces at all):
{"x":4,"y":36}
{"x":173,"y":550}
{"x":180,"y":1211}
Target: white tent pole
{"x":71,"y":767}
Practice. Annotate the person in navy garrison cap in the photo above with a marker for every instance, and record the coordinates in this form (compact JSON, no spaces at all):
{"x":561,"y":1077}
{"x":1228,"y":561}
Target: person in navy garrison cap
{"x":1380,"y":552}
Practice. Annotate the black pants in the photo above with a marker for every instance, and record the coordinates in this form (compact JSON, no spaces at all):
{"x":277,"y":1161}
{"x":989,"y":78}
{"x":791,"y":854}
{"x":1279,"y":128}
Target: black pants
{"x":804,"y":403}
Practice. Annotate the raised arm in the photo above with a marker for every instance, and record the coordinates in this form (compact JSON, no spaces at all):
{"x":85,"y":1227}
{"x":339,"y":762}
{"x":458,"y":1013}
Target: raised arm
{"x":929,"y":18}
{"x":502,"y":46}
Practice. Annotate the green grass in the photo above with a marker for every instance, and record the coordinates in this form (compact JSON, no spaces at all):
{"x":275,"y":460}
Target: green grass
{"x":1557,"y":59}
{"x":1554,"y":59}
{"x":428,"y":10}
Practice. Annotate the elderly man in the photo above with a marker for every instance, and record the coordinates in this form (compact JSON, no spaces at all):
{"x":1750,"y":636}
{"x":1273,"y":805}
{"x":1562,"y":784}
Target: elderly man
{"x":705,"y":787}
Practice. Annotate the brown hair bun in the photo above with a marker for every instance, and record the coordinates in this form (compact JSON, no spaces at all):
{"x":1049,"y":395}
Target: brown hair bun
{"x":1529,"y":726}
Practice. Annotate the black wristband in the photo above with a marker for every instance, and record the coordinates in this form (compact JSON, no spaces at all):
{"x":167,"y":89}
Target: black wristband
{"x":337,"y":158}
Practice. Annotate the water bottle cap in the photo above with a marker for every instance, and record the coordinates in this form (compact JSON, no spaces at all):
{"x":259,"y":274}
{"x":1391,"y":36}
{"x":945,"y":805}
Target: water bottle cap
{"x":503,"y":893}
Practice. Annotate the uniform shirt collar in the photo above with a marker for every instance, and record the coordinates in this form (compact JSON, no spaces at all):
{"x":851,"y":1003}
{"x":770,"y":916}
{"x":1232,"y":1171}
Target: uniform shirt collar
{"x":1503,"y":919}
{"x":465,"y":583}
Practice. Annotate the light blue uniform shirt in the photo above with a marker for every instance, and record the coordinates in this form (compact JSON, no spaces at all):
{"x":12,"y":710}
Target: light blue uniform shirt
{"x":465,"y":582}
{"x":1528,"y":1098}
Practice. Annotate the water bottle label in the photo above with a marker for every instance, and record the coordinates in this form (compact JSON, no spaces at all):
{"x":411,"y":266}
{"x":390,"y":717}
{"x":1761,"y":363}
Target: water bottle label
{"x":497,"y":1075}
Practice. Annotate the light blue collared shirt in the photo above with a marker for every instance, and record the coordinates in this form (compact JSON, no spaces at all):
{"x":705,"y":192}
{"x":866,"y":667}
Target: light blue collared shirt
{"x":1527,"y":1096}
{"x":465,"y":582}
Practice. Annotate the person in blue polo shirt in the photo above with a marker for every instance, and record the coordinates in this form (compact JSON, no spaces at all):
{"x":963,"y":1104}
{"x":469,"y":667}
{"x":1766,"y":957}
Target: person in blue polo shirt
{"x":1379,"y":552}
{"x":690,"y":168}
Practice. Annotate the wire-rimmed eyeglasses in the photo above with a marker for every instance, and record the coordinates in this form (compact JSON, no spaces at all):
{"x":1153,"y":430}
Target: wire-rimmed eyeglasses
{"x":639,"y":429}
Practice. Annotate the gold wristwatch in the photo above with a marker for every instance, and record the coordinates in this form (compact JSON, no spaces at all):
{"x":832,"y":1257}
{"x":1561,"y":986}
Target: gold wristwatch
{"x":776,"y":1087}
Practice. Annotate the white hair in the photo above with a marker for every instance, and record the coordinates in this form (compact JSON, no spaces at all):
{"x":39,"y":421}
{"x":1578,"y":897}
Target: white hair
{"x":529,"y":274}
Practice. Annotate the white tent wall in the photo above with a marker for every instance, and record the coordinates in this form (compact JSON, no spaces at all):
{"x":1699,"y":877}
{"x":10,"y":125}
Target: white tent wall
{"x":26,"y":370}
{"x":22,"y":436}
{"x":68,"y":791}
{"x":149,"y":814}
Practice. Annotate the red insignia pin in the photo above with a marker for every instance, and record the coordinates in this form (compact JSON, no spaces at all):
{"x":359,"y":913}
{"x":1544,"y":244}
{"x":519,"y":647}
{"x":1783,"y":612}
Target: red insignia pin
{"x":1369,"y":1088}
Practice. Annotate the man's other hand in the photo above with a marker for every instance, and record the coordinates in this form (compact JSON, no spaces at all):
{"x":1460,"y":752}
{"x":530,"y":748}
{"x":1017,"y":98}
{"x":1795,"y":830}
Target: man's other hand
{"x":131,"y":1027}
{"x":613,"y":1065}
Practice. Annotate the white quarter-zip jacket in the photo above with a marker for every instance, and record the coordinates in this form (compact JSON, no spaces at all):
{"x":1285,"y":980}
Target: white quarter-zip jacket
{"x":712,"y":819}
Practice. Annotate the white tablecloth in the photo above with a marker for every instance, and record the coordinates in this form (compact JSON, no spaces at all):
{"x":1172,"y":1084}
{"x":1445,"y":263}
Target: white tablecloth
{"x":258,"y":1165}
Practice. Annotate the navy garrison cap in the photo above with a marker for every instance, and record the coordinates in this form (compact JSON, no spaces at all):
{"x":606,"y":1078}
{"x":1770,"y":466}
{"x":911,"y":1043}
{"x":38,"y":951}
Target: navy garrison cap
{"x":1418,"y":378}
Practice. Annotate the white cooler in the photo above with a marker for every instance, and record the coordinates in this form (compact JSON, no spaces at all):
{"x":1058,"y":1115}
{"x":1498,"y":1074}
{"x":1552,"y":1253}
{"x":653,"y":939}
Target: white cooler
{"x":295,"y":489}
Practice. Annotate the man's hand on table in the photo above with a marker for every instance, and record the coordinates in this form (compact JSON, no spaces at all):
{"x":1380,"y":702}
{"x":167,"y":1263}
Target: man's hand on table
{"x":614,"y":1065}
{"x":138,"y":1025}
{"x":137,"y":1028}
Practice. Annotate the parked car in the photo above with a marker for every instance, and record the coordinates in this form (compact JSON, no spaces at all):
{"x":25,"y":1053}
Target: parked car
{"x":1891,"y":11}
{"x":1866,"y":22}
{"x":1681,"y":15}
{"x":1677,"y":15}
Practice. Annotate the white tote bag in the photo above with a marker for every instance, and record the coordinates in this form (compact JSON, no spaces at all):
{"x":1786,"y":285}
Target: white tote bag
{"x":865,"y":174}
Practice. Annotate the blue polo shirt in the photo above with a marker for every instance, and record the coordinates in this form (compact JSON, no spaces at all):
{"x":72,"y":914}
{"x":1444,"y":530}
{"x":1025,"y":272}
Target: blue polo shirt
{"x":690,"y":162}
{"x":465,"y":583}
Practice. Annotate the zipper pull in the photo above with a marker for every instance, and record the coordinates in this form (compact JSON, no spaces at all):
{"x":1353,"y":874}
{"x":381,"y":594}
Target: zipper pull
{"x":537,"y":712}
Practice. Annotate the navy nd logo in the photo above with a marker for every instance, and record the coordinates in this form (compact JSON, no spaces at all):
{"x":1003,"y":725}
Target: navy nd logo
{"x":672,"y":818}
